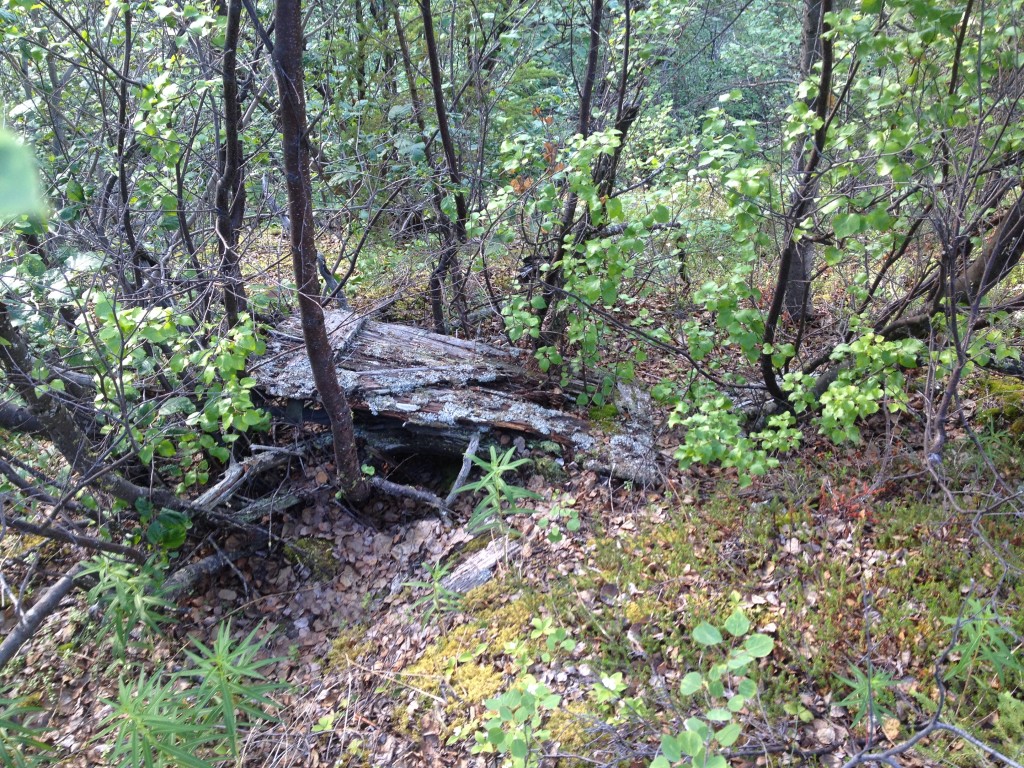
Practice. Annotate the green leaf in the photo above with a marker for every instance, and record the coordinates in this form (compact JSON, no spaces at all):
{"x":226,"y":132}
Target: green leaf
{"x":691,"y":683}
{"x":661,"y":214}
{"x":759,"y":645}
{"x":519,"y":749}
{"x":736,"y":703}
{"x":737,"y":624}
{"x":698,"y":726}
{"x":728,"y":735}
{"x":671,"y":748}
{"x":690,"y":743}
{"x":168,"y":529}
{"x":20,"y":193}
{"x":705,"y":634}
{"x":613,"y":207}
{"x":74,"y":191}
{"x":718,"y":715}
{"x":848,"y":224}
{"x":739,"y":659}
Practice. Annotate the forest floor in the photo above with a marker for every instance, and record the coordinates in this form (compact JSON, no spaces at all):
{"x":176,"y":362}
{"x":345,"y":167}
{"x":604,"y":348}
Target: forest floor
{"x":851,"y":560}
{"x":861,"y":567}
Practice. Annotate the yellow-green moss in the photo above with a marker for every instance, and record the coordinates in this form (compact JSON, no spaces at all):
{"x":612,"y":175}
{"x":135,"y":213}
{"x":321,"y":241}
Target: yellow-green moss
{"x":493,"y":629}
{"x":474,"y":682}
{"x":437,"y":660}
{"x":315,"y":554}
{"x":645,"y":608}
{"x":568,"y":726}
{"x":478,"y":677}
{"x":349,"y":645}
{"x":507,"y":622}
{"x":482,"y":597}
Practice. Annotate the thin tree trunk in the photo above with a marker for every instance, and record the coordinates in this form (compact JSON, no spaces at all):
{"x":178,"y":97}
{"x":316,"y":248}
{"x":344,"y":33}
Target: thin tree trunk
{"x":590,"y":77}
{"x":798,"y":288}
{"x":443,"y":127}
{"x":410,"y":76}
{"x":135,"y":249}
{"x":801,"y":203}
{"x":448,"y":260}
{"x":554,"y":280}
{"x":360,"y":50}
{"x":288,"y":68}
{"x":231,"y":186}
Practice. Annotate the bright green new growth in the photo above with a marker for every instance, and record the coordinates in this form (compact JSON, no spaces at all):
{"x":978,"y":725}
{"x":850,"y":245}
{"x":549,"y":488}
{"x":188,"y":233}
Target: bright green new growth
{"x":438,"y":599}
{"x":514,"y":727}
{"x":561,"y":513}
{"x":720,"y":694}
{"x":500,"y":497}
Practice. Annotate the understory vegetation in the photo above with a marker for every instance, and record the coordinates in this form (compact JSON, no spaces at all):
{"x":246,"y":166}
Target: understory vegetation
{"x":595,"y":382}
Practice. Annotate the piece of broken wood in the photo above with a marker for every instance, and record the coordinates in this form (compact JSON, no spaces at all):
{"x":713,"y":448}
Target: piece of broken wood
{"x":478,"y":568}
{"x":416,"y":391}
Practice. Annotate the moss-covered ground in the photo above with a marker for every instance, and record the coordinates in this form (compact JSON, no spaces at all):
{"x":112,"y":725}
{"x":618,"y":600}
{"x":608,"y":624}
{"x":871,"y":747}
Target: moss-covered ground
{"x":853,"y":580}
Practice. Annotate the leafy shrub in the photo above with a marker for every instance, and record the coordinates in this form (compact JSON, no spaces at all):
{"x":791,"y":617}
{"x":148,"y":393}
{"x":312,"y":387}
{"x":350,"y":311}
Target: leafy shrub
{"x":193,"y":717}
{"x":500,"y":497}
{"x":721,"y":693}
{"x":210,"y":406}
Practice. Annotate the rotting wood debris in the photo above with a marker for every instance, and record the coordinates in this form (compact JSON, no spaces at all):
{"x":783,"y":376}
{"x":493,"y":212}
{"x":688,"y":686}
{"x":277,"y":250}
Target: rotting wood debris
{"x":413,"y":391}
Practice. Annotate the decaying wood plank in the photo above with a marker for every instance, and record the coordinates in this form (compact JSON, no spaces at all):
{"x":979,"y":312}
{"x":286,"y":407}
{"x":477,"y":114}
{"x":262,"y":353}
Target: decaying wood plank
{"x":413,"y":389}
{"x":478,"y":568}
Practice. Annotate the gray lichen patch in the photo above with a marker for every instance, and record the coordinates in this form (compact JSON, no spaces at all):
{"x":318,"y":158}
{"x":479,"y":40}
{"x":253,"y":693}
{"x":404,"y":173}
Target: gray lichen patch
{"x":627,"y":457}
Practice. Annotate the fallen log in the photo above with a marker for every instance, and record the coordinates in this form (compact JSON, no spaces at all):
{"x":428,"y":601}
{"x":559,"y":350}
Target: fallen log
{"x":413,"y":391}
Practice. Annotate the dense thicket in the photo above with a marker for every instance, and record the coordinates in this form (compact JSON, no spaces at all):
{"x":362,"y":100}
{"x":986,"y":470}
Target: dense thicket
{"x":784,"y":205}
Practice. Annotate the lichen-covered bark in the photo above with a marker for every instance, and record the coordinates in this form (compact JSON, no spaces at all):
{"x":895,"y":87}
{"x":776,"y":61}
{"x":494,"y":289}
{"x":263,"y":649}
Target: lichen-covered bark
{"x":416,"y":391}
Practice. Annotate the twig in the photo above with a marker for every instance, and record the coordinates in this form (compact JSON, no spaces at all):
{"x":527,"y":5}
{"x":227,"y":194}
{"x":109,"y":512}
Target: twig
{"x":409,"y":492}
{"x":467,"y":463}
{"x":37,"y":614}
{"x":70,"y":537}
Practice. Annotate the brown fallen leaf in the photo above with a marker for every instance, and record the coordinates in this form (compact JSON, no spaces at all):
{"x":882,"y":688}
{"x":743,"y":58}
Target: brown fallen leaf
{"x":891,"y":729}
